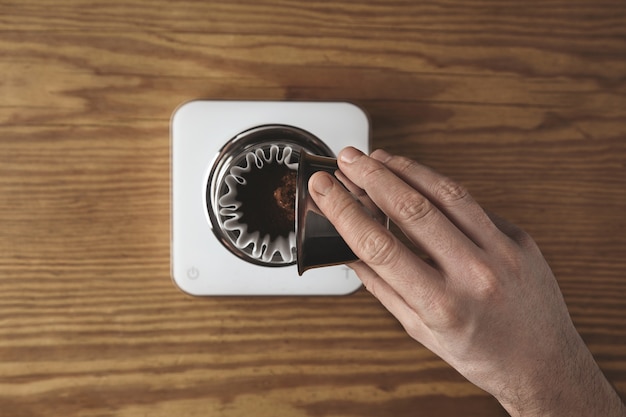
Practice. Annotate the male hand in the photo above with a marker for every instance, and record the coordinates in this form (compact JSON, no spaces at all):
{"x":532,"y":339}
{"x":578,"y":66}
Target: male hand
{"x":486,"y":301}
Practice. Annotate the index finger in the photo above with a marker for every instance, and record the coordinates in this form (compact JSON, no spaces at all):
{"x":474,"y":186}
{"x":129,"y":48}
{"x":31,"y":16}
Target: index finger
{"x":376,"y":245}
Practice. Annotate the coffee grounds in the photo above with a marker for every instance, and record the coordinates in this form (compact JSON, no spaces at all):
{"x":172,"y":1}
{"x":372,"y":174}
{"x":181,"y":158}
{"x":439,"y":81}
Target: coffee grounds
{"x":268,"y":200}
{"x":285,"y":195}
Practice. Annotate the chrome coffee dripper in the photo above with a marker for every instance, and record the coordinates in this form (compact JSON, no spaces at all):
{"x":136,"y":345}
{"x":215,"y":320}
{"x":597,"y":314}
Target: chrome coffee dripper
{"x":257,"y":146}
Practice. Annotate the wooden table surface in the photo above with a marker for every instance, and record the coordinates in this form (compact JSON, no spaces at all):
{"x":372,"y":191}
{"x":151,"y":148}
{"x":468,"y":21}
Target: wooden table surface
{"x":523,"y":102}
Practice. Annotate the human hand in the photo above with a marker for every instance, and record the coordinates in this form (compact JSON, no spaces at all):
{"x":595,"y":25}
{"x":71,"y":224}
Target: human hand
{"x":486,"y":302}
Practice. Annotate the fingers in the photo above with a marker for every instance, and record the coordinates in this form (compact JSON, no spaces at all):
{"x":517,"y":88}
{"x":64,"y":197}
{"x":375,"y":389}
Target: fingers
{"x":451,"y":198}
{"x":362,"y":196}
{"x":374,"y":244}
{"x":417,"y":216}
{"x":392,"y":301}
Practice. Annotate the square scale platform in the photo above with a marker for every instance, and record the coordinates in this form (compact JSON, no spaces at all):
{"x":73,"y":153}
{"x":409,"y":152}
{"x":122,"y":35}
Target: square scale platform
{"x":200,"y":264}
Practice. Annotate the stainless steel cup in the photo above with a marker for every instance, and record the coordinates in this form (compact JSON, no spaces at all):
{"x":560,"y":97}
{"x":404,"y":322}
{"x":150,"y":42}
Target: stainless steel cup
{"x":317,"y":241}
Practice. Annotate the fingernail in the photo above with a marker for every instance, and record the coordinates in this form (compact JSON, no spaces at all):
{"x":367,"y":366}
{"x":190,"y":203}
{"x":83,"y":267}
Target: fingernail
{"x":321,"y":183}
{"x":381,"y":155}
{"x":350,"y":154}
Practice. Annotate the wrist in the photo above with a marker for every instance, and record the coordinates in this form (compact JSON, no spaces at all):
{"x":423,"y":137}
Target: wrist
{"x":570,"y":384}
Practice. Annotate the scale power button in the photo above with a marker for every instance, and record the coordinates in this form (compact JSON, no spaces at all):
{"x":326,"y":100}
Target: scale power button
{"x":193,"y":273}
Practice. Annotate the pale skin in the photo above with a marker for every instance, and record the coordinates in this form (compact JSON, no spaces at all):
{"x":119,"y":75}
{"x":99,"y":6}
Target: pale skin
{"x":485,"y":300}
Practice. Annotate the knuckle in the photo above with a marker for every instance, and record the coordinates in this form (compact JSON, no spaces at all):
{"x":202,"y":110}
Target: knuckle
{"x":485,"y":281}
{"x":518,"y":236}
{"x":524,"y":240}
{"x":403,"y":165}
{"x":444,"y":314}
{"x":513,"y":258}
{"x":448,"y":191}
{"x":377,"y":248}
{"x":411,"y":208}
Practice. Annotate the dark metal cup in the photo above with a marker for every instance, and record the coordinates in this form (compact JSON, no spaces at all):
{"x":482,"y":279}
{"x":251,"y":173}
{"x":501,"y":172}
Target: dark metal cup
{"x":317,"y":241}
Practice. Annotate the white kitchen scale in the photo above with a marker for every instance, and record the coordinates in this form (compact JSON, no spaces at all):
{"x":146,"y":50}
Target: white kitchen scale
{"x":201,"y":264}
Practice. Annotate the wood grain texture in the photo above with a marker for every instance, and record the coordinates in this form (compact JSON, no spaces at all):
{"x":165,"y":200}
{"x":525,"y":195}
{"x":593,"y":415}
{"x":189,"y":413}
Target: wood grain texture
{"x":523,"y":102}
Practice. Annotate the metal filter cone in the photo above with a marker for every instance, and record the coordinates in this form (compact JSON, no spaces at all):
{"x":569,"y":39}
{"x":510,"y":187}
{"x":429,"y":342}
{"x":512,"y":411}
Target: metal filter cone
{"x":236,"y":213}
